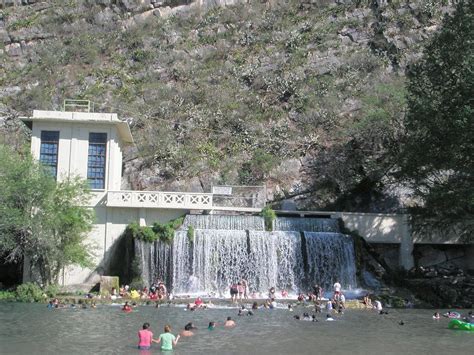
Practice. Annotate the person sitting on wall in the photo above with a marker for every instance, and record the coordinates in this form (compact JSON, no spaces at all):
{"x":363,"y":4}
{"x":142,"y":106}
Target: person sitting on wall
{"x":318,"y":307}
{"x":342,"y":302}
{"x":284,"y":293}
{"x":122,"y":291}
{"x":378,"y":305}
{"x":162,"y":289}
{"x":317,"y":290}
{"x":367,"y":301}
{"x":198,"y":302}
{"x":301,"y":297}
{"x":271,"y":292}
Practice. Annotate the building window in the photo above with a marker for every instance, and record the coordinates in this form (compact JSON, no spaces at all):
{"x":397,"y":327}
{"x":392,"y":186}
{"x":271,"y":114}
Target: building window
{"x":49,"y":151}
{"x":96,"y":160}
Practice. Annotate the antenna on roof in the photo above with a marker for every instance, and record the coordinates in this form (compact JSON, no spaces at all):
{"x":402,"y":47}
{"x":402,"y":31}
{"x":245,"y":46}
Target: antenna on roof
{"x":78,"y":105}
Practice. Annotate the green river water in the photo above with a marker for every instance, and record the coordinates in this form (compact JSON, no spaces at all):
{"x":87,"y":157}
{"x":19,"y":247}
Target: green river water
{"x":33,"y":329}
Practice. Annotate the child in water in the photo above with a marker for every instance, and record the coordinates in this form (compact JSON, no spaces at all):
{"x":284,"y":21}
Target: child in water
{"x":212,"y":325}
{"x":167,"y":339}
{"x":145,"y":337}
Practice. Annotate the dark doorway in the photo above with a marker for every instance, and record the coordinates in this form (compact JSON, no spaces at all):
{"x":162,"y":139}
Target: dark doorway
{"x":11,"y":274}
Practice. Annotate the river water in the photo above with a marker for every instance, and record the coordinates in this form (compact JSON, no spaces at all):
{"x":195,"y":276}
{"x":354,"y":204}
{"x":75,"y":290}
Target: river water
{"x":33,"y":329}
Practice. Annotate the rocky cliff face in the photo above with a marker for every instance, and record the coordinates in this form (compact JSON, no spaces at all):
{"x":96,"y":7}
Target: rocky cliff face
{"x":304,"y":96}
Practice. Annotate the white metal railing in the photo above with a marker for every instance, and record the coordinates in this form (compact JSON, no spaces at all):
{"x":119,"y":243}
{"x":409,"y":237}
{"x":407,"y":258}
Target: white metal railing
{"x":159,"y":199}
{"x":78,"y":105}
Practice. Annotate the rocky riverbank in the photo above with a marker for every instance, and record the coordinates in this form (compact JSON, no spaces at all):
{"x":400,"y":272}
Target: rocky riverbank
{"x":442,"y":287}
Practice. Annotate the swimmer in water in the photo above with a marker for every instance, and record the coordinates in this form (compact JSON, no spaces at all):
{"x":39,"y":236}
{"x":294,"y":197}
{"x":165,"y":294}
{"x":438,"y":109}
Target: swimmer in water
{"x":290,"y":308}
{"x":436,"y":315}
{"x":187,"y":330}
{"x":126,"y":307}
{"x":145,"y":337}
{"x":212,"y":325}
{"x":229,"y":323}
{"x":167,"y":339}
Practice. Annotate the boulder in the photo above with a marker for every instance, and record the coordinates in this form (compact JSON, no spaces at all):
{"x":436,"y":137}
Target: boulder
{"x":13,"y":50}
{"x":4,"y":37}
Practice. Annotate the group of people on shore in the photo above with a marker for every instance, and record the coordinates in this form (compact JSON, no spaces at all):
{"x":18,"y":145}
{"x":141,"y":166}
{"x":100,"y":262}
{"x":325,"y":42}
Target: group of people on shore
{"x":156,"y":292}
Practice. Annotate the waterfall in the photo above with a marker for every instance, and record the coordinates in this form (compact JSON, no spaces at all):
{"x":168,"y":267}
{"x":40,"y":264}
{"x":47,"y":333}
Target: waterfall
{"x":295,"y":258}
{"x":306,"y":224}
{"x":275,"y":259}
{"x":154,"y":261}
{"x":224,"y":222}
{"x":330,"y":258}
{"x":181,"y":262}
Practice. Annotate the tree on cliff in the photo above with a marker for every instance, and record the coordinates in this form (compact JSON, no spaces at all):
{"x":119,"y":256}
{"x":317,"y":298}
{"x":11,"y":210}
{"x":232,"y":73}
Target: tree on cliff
{"x":41,"y":221}
{"x":437,"y":156}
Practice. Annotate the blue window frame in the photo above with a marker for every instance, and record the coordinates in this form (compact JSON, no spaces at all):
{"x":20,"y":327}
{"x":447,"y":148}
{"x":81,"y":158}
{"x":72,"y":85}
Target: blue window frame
{"x":49,"y":151}
{"x":96,"y":160}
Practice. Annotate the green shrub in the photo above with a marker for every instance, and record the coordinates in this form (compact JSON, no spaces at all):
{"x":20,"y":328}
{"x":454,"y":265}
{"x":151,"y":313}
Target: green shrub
{"x":190,"y":234}
{"x":176,"y":223}
{"x":147,"y":235}
{"x":269,"y":216}
{"x":132,"y":230}
{"x":7,"y":296}
{"x":164,"y":232}
{"x":30,"y":292}
{"x":159,"y":231}
{"x":52,"y":290}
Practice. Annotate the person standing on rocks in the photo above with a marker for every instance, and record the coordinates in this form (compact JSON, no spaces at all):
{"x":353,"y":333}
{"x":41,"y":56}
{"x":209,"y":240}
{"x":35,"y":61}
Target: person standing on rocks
{"x":245,"y":285}
{"x":234,"y":291}
{"x":337,"y":288}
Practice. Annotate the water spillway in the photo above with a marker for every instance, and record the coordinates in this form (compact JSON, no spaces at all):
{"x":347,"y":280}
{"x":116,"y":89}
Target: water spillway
{"x":299,"y":253}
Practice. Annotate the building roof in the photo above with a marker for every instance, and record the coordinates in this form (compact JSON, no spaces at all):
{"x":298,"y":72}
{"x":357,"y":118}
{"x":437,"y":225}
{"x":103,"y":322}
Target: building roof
{"x":84,"y":117}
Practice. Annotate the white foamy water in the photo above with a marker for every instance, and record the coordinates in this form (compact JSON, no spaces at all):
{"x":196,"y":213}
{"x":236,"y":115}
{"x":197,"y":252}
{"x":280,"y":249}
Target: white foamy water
{"x":216,"y":258}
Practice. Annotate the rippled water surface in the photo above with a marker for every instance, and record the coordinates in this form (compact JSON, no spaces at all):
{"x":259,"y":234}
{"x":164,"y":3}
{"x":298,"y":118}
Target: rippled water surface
{"x":33,"y":329}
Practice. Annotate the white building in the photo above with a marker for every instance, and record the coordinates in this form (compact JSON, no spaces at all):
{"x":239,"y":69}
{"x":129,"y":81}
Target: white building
{"x":90,"y":145}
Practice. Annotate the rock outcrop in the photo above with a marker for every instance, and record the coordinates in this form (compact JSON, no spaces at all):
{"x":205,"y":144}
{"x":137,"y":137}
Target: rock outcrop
{"x":230,"y":91}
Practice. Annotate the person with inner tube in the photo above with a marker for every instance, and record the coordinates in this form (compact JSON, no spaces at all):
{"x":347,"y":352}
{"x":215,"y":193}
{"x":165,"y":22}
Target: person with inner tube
{"x":469,"y":318}
{"x":126,"y":307}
